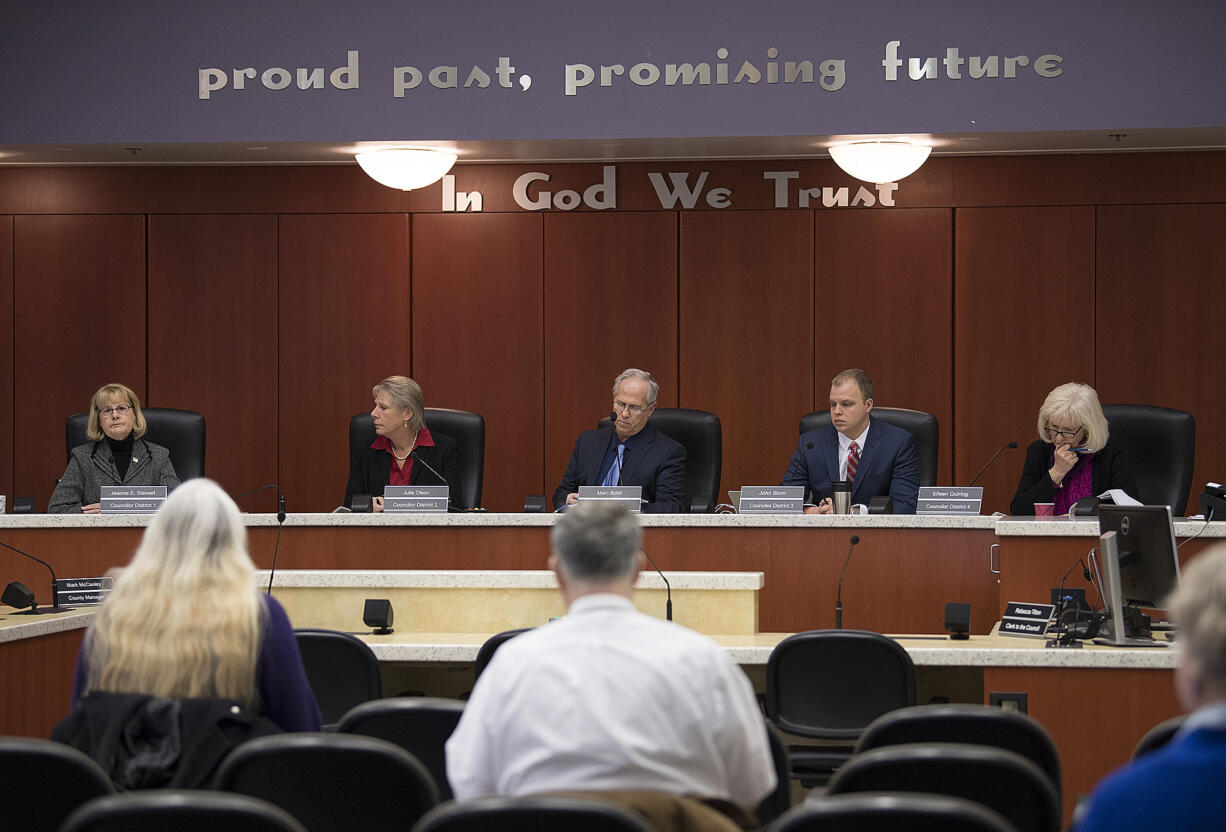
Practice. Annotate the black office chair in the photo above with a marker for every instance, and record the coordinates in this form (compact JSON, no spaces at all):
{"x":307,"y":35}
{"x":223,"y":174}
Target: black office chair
{"x":778,"y":802}
{"x":1159,"y":735}
{"x":923,"y":426}
{"x":1003,"y":781}
{"x":829,"y":685}
{"x":45,"y":781}
{"x":1161,"y":445}
{"x":181,"y":811}
{"x":531,"y":814}
{"x":491,"y":646}
{"x":332,"y":781}
{"x":891,"y":812}
{"x":466,"y":428}
{"x":342,"y":669}
{"x":181,"y":432}
{"x":701,"y":434}
{"x":419,"y":725}
{"x":964,"y":723}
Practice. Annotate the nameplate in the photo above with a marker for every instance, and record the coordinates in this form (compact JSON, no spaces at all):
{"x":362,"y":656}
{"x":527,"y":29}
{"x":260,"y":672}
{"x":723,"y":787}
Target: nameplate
{"x":416,"y":499}
{"x":1026,"y":620}
{"x":629,"y":497}
{"x":132,"y":499}
{"x":772,"y":499}
{"x":949,"y":500}
{"x":81,"y":592}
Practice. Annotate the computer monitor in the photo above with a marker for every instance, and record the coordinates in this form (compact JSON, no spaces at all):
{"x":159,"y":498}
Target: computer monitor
{"x":1140,"y":565}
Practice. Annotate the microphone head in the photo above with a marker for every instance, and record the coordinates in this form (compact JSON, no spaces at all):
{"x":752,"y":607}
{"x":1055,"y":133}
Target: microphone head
{"x":855,"y":538}
{"x":1012,"y":445}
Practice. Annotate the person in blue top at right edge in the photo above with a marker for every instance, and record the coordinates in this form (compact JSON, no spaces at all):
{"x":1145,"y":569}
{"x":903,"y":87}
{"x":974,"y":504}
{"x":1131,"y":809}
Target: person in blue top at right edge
{"x":1180,"y":785}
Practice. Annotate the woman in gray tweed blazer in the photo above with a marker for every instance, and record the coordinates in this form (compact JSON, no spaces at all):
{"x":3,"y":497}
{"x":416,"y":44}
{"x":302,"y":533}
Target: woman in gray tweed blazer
{"x":116,"y":455}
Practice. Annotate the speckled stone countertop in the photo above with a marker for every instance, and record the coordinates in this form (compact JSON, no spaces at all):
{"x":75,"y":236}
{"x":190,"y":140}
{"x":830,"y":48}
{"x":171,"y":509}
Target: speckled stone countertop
{"x":14,"y":626}
{"x":491,"y":579}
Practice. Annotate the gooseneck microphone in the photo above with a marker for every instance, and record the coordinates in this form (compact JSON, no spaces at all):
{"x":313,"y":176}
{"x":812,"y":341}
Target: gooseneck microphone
{"x":668,"y":606}
{"x":34,"y":610}
{"x":441,"y":479}
{"x":280,"y":523}
{"x":990,"y":461}
{"x":838,"y":603}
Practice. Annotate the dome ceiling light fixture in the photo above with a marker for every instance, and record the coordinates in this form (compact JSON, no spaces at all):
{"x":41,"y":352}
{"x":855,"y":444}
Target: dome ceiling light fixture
{"x":406,"y":168}
{"x":879,"y":160}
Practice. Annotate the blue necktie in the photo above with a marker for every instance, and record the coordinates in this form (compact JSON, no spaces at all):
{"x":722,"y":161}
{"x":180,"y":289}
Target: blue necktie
{"x":615,"y":470}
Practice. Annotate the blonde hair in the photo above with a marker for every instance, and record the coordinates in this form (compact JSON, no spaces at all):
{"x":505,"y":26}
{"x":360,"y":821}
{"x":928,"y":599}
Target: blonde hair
{"x":1076,"y":403}
{"x":404,"y":393}
{"x":1198,"y":608}
{"x":185,"y":618}
{"x":108,"y":393}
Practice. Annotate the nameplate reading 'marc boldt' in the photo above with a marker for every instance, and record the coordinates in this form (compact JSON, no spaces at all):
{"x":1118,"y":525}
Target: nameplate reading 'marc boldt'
{"x":772,"y":499}
{"x":416,"y":499}
{"x":132,"y":499}
{"x":629,"y":497}
{"x":946,"y":499}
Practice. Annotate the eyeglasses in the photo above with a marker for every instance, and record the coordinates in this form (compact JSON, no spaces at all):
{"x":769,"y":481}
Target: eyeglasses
{"x":116,"y":410}
{"x":634,"y":409}
{"x":1070,"y":434}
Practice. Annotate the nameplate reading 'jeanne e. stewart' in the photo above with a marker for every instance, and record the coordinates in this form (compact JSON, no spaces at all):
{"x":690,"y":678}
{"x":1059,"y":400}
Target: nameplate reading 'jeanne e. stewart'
{"x":81,"y":592}
{"x":629,"y":497}
{"x":949,"y":500}
{"x":772,"y":499}
{"x":132,"y":499}
{"x":416,"y":499}
{"x":1026,"y":620}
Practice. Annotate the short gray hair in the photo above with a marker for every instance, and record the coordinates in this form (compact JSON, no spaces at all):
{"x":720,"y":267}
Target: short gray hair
{"x":1198,"y":608}
{"x":597,"y":542}
{"x":1079,"y":403}
{"x":653,"y":387}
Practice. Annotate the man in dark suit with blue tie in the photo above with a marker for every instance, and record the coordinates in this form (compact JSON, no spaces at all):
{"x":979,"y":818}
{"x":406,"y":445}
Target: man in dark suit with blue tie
{"x":877,"y":458}
{"x":629,"y":452}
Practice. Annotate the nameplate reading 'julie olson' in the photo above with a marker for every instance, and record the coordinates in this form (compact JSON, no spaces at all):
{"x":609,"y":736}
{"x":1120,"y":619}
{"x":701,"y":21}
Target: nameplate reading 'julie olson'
{"x":132,"y":499}
{"x":1025,"y":620}
{"x":946,"y":500}
{"x":82,"y":592}
{"x":772,"y":499}
{"x":416,"y":499}
{"x":629,"y":497}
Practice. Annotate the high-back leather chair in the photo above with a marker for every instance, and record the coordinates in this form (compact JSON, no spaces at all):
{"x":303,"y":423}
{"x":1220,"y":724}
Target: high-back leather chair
{"x":699,"y":431}
{"x":1161,"y":445}
{"x":923,"y":426}
{"x":181,"y":432}
{"x":465,"y":427}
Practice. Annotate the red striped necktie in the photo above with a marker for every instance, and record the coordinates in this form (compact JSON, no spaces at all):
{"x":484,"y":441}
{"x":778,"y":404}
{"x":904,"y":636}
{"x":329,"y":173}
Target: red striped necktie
{"x":853,"y":461}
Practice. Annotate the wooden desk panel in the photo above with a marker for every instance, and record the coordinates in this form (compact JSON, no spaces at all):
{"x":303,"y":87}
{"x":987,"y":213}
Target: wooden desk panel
{"x":37,"y":688}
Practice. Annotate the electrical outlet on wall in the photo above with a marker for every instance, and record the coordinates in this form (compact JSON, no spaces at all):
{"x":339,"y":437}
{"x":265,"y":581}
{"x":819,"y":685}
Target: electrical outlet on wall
{"x":1015,"y":702}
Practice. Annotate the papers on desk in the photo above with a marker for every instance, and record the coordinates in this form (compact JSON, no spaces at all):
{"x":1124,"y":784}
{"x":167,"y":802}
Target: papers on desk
{"x":1120,"y":497}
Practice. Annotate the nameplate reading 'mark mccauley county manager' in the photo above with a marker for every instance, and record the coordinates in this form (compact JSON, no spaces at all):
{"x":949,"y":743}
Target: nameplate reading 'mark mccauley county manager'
{"x":629,"y":497}
{"x":416,"y":499}
{"x":82,"y":592}
{"x":772,"y":499}
{"x":946,"y":499}
{"x":132,"y":499}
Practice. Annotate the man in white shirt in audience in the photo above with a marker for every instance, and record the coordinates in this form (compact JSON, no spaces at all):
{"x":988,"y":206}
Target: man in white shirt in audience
{"x":611,"y":700}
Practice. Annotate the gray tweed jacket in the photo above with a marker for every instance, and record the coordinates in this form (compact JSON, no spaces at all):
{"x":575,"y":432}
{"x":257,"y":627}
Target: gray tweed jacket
{"x":90,"y":467}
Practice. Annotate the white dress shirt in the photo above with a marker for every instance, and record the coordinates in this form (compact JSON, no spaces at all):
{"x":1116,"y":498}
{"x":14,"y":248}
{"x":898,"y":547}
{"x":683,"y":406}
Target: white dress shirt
{"x":845,"y":450}
{"x":610,"y":698}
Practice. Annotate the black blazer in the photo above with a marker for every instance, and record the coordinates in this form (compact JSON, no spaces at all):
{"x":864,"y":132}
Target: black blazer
{"x":370,"y":469}
{"x":1110,"y":467}
{"x":656,"y":462}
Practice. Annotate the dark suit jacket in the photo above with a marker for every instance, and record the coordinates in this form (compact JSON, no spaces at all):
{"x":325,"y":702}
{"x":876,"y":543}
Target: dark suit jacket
{"x":887,"y":465}
{"x":1110,"y":469}
{"x":656,"y":462}
{"x":370,"y":469}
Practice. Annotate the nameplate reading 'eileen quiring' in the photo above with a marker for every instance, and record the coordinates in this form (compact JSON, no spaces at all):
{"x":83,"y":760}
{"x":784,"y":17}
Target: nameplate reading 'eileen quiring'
{"x":629,"y":497}
{"x":81,"y":592}
{"x":416,"y":499}
{"x":946,"y":499}
{"x":1026,"y":620}
{"x":772,"y":499}
{"x":132,"y":499}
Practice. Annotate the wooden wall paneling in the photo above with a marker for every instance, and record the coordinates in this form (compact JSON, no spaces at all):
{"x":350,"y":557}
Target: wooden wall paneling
{"x":610,"y":303}
{"x":343,"y":324}
{"x":477,"y":338}
{"x":6,"y":360}
{"x":78,"y":323}
{"x":1023,"y":324}
{"x":1160,"y":300}
{"x":884,"y":303}
{"x":746,"y":326}
{"x":213,"y":339}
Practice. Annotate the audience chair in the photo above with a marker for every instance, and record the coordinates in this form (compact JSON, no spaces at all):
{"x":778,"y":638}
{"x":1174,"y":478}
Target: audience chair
{"x":971,"y":724}
{"x":419,"y":725}
{"x":342,"y":670}
{"x":43,"y":781}
{"x":700,"y":432}
{"x":332,"y":781}
{"x":531,"y":814}
{"x":181,"y":432}
{"x":180,"y":811}
{"x":1003,"y":781}
{"x":466,"y":428}
{"x":775,"y":804}
{"x":923,"y":426}
{"x":1158,"y":736}
{"x":490,"y":647}
{"x":829,"y":685}
{"x":1161,"y":445}
{"x":891,"y":812}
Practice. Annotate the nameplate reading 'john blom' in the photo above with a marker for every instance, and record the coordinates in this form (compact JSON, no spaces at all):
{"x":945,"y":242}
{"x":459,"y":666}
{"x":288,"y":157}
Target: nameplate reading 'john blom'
{"x":629,"y":497}
{"x":949,"y":500}
{"x":81,"y":592}
{"x":416,"y":499}
{"x":1026,"y":620}
{"x":772,"y":499}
